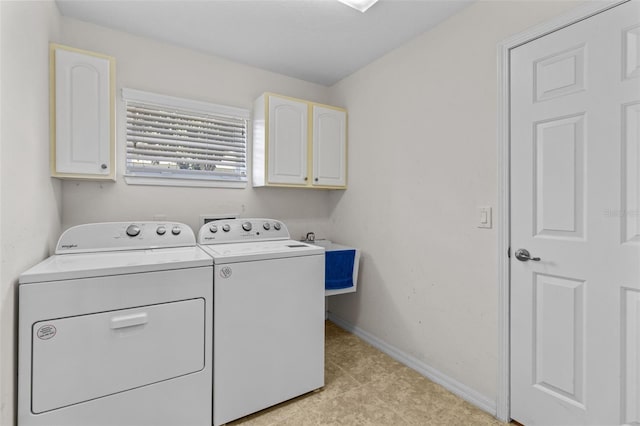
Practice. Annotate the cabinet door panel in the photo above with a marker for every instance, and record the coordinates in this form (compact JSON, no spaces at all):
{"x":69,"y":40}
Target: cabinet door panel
{"x":83,"y":116}
{"x":288,"y":125}
{"x":329,"y":146}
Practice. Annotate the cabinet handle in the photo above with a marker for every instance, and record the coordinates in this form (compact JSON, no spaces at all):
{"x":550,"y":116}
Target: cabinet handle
{"x":103,"y":166}
{"x":306,"y":178}
{"x":316,"y":179}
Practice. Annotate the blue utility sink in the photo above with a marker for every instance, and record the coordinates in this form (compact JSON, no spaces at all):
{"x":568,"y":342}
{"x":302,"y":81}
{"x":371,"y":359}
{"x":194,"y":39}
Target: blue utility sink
{"x":341,"y":267}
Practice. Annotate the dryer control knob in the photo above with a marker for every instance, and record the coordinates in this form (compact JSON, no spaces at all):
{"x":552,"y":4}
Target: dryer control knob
{"x":277,"y":226}
{"x":161,"y":230}
{"x":226,"y":227}
{"x":133,"y":230}
{"x":176,"y":230}
{"x":266,"y":226}
{"x":213,"y":229}
{"x":246,"y":226}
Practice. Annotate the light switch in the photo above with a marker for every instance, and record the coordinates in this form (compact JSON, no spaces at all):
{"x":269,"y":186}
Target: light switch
{"x":484,"y":214}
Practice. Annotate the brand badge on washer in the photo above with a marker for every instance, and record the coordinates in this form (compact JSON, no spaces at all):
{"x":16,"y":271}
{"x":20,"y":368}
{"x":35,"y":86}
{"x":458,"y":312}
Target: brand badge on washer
{"x":46,"y":332}
{"x":226,"y":272}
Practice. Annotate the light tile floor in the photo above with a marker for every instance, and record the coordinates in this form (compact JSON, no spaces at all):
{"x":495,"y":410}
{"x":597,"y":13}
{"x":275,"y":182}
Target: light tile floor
{"x":364,"y":386}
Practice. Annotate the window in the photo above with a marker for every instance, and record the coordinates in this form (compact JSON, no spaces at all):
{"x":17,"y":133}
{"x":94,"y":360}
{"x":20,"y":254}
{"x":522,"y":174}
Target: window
{"x":175,"y":141}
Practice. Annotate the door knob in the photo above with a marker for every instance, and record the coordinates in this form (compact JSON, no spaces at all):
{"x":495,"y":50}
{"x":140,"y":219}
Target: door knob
{"x":523,"y":255}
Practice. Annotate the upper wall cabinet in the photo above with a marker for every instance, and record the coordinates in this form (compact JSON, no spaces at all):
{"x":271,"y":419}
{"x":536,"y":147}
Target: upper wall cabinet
{"x":329,"y":146}
{"x":82,"y":114}
{"x":299,"y":144}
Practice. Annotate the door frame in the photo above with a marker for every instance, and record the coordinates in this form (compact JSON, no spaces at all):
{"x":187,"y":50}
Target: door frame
{"x":503,"y":223}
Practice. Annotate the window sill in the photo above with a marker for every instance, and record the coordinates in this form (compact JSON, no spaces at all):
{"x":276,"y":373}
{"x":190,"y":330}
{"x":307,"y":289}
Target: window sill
{"x":197,"y":183}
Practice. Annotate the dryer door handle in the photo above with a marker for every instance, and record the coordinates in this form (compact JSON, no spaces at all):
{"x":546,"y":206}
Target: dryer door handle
{"x":129,"y":320}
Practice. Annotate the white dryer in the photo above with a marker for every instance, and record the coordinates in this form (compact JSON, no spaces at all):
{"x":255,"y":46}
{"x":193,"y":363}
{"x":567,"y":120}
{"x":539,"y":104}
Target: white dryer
{"x":114,"y":329}
{"x":268,"y":315}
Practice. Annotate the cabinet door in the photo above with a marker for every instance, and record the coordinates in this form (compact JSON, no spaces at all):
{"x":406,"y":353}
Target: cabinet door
{"x":287,"y":141}
{"x":83,"y":126}
{"x":329,"y":146}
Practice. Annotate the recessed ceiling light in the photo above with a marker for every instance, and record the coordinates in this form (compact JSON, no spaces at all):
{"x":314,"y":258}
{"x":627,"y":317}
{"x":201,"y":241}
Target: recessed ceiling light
{"x":361,"y":5}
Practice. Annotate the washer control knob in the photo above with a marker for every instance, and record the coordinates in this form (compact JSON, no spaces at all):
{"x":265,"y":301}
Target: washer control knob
{"x":176,"y":230}
{"x":213,"y":229}
{"x":161,"y":230}
{"x":277,"y":226}
{"x":266,"y":226}
{"x":246,"y":226}
{"x":226,"y":227}
{"x":133,"y":230}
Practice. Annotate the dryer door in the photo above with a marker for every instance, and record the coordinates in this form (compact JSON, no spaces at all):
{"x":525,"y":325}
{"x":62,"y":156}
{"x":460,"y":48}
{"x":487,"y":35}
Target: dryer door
{"x":80,"y":358}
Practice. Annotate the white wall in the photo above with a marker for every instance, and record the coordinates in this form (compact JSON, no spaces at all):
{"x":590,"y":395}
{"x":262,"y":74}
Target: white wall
{"x":29,"y":199}
{"x":422,"y":157}
{"x":167,"y":69}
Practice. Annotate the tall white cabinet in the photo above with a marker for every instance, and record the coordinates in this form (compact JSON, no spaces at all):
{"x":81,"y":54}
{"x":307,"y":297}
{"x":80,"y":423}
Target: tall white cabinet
{"x":297,"y":143}
{"x":82,"y":114}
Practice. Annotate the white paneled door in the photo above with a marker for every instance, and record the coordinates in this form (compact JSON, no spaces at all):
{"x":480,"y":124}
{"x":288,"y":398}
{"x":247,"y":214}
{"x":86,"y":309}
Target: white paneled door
{"x":575,"y":207}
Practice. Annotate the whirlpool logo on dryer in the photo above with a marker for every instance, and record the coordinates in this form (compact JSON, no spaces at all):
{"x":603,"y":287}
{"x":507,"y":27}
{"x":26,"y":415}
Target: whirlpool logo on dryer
{"x":226,"y":272}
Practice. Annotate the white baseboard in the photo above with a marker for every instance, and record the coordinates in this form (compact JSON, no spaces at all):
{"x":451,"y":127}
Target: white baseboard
{"x":429,"y":372}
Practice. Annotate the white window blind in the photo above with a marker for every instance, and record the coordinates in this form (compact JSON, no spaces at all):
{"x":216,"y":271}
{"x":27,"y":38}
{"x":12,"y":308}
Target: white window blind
{"x":177,"y":138}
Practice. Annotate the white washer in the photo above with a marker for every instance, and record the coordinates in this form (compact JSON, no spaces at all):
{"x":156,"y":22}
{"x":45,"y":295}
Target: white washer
{"x":114,"y":329}
{"x":268,"y":328}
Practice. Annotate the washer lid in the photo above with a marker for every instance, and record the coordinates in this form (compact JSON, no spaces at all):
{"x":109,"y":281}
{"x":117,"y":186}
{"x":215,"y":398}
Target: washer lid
{"x":259,"y":250}
{"x":88,"y":265}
